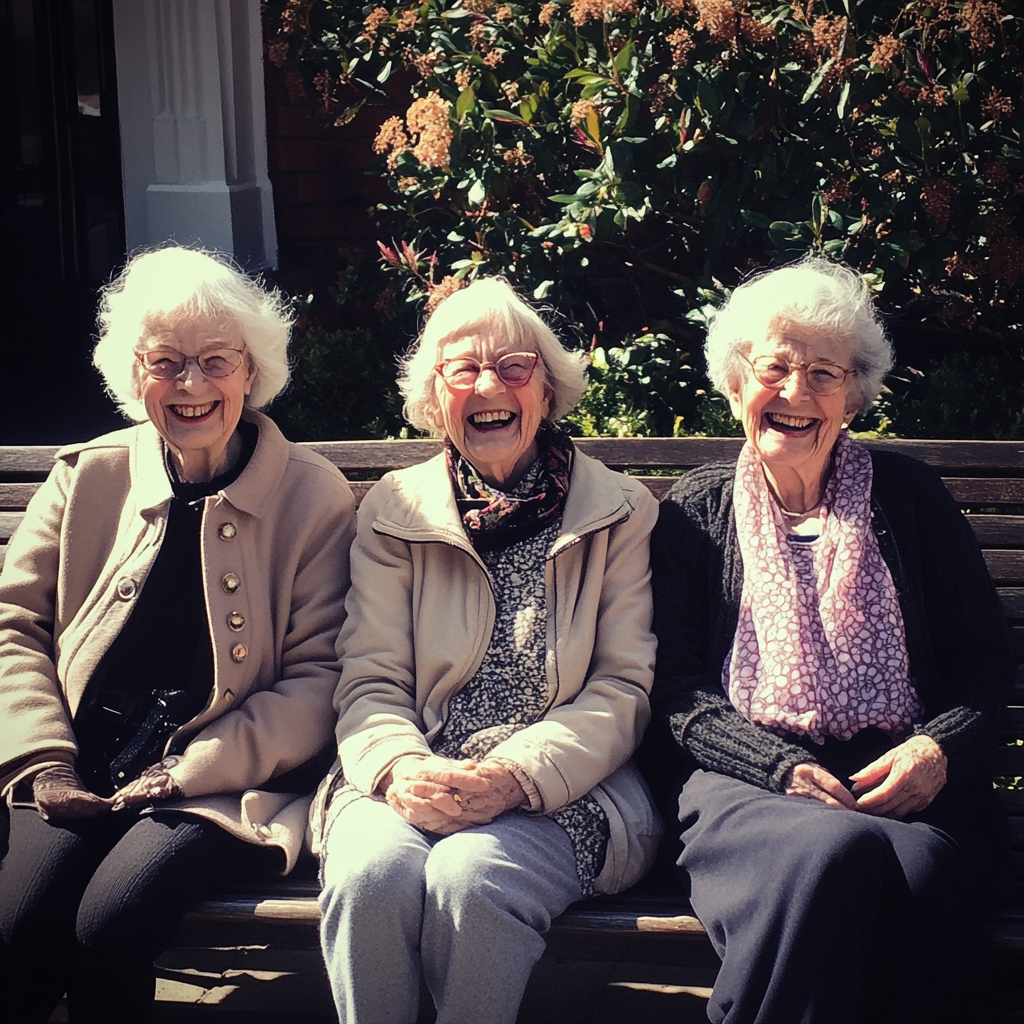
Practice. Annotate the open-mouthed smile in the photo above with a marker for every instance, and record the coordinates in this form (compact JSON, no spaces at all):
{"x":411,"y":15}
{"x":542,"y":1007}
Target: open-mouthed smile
{"x":193,"y":412}
{"x":491,"y":420}
{"x":783,"y":421}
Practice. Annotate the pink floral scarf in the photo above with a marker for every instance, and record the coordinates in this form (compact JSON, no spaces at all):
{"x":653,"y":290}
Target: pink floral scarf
{"x":820,"y":647}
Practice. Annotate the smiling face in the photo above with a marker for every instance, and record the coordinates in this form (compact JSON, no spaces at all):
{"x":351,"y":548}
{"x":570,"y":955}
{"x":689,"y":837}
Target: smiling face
{"x":492,"y":425}
{"x":792,"y":428}
{"x":196,"y":415}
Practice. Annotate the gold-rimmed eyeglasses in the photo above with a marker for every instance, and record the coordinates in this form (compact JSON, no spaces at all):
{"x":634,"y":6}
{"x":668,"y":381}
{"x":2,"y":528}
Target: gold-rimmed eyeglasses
{"x":823,"y":378}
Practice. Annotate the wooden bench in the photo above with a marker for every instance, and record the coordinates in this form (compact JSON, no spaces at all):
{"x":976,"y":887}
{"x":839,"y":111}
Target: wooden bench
{"x":985,"y":477}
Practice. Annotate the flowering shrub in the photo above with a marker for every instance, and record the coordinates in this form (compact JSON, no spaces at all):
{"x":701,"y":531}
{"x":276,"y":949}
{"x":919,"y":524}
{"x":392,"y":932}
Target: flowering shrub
{"x":630,"y":160}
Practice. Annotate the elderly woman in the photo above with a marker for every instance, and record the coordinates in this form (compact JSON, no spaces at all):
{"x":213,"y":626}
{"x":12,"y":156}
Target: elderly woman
{"x":830,"y":661}
{"x":168,"y":615}
{"x":496,"y":670}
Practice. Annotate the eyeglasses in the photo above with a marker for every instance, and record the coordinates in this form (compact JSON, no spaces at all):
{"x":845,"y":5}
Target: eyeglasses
{"x":514,"y":370}
{"x":216,"y":362}
{"x":823,"y":378}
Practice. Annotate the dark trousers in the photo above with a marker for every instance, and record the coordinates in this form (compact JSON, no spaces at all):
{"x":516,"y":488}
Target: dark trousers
{"x":85,"y":907}
{"x":825,"y":916}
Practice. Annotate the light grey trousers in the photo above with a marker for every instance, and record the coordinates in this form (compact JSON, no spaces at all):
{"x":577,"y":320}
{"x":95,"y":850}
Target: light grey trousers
{"x":466,"y":910}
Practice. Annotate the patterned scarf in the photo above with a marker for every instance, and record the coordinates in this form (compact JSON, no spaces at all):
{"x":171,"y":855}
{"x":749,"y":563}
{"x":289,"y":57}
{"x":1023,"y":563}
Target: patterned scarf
{"x":493,"y":519}
{"x":820,"y":647}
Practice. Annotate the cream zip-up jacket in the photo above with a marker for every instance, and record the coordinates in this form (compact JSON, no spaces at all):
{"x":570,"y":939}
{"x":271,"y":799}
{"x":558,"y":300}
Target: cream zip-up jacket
{"x":275,"y":546}
{"x":419,"y":619}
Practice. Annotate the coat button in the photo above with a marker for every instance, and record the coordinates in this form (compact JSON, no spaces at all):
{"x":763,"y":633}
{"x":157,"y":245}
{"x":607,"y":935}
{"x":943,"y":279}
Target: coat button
{"x":230,"y":582}
{"x":236,"y":620}
{"x":239,"y":652}
{"x":126,"y":588}
{"x":227,"y":531}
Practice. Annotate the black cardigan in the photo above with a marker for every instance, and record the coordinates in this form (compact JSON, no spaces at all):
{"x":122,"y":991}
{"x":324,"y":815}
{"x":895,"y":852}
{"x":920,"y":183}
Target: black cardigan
{"x":956,"y":641}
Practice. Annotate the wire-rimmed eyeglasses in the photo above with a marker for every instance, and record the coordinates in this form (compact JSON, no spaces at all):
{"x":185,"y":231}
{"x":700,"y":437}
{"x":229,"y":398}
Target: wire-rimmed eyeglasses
{"x":513,"y":369}
{"x":216,"y":362}
{"x":823,"y":377}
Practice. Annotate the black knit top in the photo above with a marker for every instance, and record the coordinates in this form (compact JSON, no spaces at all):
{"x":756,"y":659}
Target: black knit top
{"x":956,"y":641}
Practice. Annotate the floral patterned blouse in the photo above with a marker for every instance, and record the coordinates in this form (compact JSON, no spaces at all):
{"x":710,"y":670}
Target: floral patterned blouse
{"x":509,"y":690}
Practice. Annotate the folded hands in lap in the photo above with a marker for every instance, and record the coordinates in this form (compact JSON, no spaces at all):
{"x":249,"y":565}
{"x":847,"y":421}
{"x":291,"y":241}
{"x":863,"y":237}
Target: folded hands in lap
{"x":440,"y":795}
{"x":904,"y":780}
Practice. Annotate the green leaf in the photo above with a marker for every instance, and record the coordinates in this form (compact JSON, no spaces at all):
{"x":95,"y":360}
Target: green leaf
{"x":477,"y":194}
{"x":504,"y":115}
{"x":349,"y":113}
{"x":817,"y":79}
{"x":844,"y":95}
{"x":385,"y":73}
{"x":465,"y":103}
{"x":528,"y":106}
{"x":629,"y":112}
{"x":624,"y":57}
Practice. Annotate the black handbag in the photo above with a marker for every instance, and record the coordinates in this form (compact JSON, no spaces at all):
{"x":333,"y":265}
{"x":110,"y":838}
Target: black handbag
{"x":129,"y":736}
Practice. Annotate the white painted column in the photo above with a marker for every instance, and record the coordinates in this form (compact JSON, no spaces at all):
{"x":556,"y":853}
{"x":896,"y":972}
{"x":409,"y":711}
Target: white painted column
{"x":193,"y":126}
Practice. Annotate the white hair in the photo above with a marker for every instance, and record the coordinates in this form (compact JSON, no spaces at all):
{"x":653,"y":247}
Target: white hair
{"x":175,"y":283}
{"x":488,"y":306}
{"x":816,"y":293}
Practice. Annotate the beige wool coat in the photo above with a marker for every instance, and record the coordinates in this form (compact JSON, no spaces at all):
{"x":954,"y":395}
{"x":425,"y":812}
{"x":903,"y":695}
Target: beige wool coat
{"x":420,"y":617}
{"x":275,"y":546}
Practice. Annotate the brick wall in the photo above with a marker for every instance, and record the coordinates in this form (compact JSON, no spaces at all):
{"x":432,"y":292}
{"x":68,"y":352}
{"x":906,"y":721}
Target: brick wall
{"x":323,"y":197}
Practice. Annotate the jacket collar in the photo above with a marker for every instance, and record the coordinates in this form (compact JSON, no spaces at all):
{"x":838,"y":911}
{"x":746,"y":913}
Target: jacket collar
{"x":423,"y":506}
{"x":257,"y":485}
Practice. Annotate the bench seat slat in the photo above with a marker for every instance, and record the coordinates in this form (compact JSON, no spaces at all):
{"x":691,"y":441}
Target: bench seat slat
{"x":587,"y":918}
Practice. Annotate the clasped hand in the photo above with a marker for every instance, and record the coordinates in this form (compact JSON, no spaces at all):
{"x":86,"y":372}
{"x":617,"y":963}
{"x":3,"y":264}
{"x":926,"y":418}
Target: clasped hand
{"x":60,"y":794}
{"x":440,"y":795}
{"x":904,"y":780}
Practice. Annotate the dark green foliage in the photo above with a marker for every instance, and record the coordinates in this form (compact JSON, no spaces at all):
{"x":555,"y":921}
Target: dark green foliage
{"x":342,"y":386}
{"x":964,"y":395}
{"x":630,"y":161}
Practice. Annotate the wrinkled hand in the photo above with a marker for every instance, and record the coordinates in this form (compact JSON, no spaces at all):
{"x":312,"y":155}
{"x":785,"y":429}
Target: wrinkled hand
{"x":903,"y":780}
{"x":423,"y":791}
{"x":481,"y":806}
{"x":814,"y":783}
{"x":61,"y":795}
{"x":503,"y":792}
{"x":152,"y":785}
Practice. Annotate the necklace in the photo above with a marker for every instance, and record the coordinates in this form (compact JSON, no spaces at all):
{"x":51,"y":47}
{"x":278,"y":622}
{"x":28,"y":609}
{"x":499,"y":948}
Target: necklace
{"x":799,"y":515}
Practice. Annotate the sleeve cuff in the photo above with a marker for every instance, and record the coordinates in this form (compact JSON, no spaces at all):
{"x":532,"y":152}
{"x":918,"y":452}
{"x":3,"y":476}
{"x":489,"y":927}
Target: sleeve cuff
{"x":535,"y":802}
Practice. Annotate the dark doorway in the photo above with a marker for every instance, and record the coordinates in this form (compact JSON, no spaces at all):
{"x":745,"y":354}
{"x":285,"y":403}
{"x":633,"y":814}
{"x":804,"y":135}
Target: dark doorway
{"x":62,"y":213}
